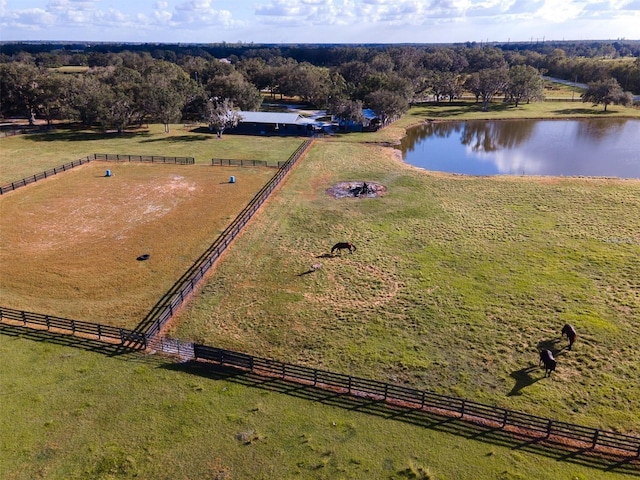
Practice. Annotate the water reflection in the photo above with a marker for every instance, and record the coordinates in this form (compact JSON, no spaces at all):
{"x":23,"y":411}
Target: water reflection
{"x":609,"y":147}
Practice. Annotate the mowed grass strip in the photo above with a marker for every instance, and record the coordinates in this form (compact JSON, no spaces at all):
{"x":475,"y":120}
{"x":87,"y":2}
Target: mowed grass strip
{"x":69,"y":412}
{"x":70,"y":244}
{"x":456,"y":283}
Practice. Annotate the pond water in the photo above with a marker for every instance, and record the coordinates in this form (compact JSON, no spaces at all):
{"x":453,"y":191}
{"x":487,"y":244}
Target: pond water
{"x":598,"y":148}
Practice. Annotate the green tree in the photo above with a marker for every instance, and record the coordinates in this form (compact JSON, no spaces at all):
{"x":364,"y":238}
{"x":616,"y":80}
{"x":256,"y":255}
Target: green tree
{"x":386,"y":104}
{"x":491,"y":82}
{"x":607,"y":92}
{"x":235,"y":88}
{"x":525,"y":84}
{"x":167,"y":89}
{"x":20,"y":90}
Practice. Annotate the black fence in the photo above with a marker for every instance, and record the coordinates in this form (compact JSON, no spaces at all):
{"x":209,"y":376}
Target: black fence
{"x":229,"y":162}
{"x":113,"y":157}
{"x":518,"y":423}
{"x":196,"y":273}
{"x":106,"y":157}
{"x":105,"y":333}
{"x":41,"y":176}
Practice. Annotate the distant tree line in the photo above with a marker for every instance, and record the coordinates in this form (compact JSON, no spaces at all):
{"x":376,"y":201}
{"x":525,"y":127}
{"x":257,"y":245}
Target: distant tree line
{"x":117,"y":86}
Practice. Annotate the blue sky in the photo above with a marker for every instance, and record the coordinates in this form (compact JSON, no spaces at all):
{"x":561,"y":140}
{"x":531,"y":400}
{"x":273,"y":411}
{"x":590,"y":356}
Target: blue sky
{"x":318,"y":21}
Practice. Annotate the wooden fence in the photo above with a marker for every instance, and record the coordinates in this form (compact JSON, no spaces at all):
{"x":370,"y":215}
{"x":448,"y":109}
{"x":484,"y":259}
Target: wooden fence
{"x":105,"y":333}
{"x":114,"y":157}
{"x":518,"y":423}
{"x":105,"y":157}
{"x":41,"y":176}
{"x":244,"y":163}
{"x":198,"y":270}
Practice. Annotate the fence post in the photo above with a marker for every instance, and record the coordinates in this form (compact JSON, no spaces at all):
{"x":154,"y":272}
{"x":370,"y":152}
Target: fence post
{"x":504,"y":418}
{"x":549,"y":428}
{"x":315,"y":381}
{"x":99,"y":331}
{"x":284,"y":370}
{"x":46,"y":318}
{"x":349,"y":385}
{"x":462,"y":408}
{"x":595,"y":438}
{"x":73,"y":327}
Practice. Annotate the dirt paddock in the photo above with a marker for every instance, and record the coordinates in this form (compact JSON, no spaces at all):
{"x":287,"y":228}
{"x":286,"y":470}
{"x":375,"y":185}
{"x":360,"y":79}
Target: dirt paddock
{"x":70,"y":243}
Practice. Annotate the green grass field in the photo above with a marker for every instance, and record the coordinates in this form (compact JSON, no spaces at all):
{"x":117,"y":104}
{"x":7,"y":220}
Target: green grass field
{"x":455,"y":283}
{"x":80,"y":411}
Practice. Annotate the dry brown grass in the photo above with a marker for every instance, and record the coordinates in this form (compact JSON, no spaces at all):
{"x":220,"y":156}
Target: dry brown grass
{"x":69,"y":244}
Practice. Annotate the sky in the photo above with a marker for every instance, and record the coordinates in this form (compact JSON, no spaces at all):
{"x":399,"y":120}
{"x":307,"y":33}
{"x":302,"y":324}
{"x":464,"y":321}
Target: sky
{"x":318,"y":21}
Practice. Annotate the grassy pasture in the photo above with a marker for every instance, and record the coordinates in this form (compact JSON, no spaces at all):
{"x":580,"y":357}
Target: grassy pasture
{"x":456,"y":283}
{"x":69,"y":244}
{"x":80,"y":411}
{"x":25,"y":155}
{"x":486,"y":270}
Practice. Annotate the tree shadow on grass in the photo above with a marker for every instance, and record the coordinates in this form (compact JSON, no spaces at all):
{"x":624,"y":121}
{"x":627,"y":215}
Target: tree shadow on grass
{"x":582,"y":111}
{"x":178,"y":139}
{"x":83,"y":135}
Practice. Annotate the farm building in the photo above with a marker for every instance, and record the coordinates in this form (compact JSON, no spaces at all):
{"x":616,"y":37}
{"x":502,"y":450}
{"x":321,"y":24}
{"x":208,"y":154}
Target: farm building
{"x":275,"y":123}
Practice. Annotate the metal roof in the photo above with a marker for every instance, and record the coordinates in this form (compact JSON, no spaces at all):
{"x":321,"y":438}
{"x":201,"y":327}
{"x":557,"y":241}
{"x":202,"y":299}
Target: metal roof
{"x":271,"y":117}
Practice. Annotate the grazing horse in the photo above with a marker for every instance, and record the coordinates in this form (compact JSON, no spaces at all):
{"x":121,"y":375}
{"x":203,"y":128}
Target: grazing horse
{"x":546,"y":357}
{"x":343,"y":246}
{"x":571,"y":334}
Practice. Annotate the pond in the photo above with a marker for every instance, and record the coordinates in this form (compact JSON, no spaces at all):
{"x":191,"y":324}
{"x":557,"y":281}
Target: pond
{"x":594,"y":148}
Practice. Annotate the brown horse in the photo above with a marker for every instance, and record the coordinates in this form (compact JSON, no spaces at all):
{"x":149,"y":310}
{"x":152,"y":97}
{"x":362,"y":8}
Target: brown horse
{"x":343,"y":246}
{"x":546,"y":357}
{"x":570,"y":332}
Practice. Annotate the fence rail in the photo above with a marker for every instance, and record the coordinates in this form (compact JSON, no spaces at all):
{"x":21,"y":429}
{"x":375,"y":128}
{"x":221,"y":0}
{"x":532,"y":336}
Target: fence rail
{"x":230,"y":162}
{"x":523,"y":424}
{"x":197,"y":271}
{"x":75,"y":327}
{"x":107,"y":157}
{"x":115,"y":157}
{"x":41,"y":176}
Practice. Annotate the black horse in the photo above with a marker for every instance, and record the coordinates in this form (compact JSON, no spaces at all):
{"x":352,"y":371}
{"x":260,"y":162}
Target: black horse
{"x":570,"y":332}
{"x":343,"y":246}
{"x":546,"y":357}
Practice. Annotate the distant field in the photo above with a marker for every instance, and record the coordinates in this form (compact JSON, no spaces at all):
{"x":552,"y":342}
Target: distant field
{"x":69,"y":243}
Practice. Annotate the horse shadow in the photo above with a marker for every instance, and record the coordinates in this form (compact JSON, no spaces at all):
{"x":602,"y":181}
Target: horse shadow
{"x":553,"y":346}
{"x":523,"y":379}
{"x":326,"y":255}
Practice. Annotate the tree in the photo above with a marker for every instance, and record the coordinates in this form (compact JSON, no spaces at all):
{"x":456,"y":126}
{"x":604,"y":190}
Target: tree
{"x":221,"y":114}
{"x":19,"y":87}
{"x":235,"y":88}
{"x":525,"y":84}
{"x":168,"y":89}
{"x":386,"y":104}
{"x":491,"y":81}
{"x":346,"y":110}
{"x":606,"y":92}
